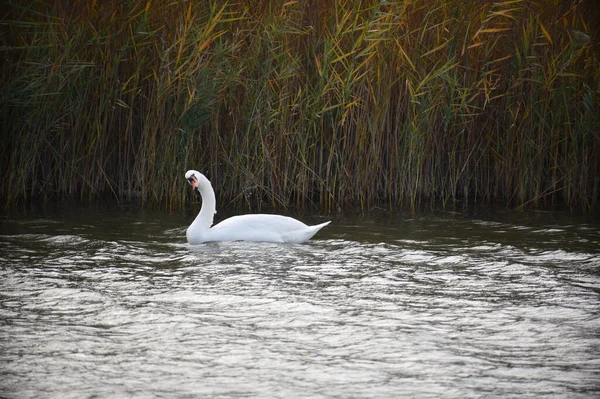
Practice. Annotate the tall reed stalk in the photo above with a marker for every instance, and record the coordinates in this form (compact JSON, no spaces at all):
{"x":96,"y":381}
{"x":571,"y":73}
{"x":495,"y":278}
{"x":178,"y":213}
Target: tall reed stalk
{"x":303,"y":103}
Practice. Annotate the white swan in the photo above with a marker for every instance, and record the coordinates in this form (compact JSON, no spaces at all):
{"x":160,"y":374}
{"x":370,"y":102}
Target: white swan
{"x":267,"y":228}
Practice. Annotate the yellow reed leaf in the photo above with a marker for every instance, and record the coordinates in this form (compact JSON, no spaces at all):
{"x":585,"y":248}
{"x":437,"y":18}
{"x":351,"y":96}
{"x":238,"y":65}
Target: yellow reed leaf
{"x":476,"y":44}
{"x":209,"y":40}
{"x":497,"y":96}
{"x":499,"y":59}
{"x":505,"y":13}
{"x":405,"y":56}
{"x":491,"y":30}
{"x":318,"y":64}
{"x":331,"y":107}
{"x":438,"y":48}
{"x":342,"y":57}
{"x":569,"y":75}
{"x":121,"y":103}
{"x":545,"y":32}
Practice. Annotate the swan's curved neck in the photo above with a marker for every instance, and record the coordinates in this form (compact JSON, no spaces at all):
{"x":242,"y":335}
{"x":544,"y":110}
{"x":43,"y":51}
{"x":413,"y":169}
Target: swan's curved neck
{"x":209,"y":205}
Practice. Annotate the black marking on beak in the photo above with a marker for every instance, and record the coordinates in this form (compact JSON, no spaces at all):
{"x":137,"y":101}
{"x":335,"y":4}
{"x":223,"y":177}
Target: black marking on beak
{"x":193,"y":179}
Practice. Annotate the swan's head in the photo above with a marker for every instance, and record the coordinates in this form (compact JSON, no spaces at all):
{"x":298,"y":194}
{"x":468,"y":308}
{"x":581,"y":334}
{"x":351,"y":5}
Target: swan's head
{"x":193,"y":176}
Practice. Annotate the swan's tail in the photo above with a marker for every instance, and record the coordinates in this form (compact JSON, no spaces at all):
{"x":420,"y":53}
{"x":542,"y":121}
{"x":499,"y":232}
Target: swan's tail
{"x":319,"y":226}
{"x":299,"y":236}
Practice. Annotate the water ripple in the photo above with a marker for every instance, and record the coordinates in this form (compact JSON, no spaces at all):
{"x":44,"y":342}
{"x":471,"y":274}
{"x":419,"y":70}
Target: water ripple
{"x":495,"y":309}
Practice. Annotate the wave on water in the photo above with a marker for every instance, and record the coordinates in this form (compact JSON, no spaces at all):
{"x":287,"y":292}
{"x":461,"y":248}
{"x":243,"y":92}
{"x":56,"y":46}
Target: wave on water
{"x":427,"y":307}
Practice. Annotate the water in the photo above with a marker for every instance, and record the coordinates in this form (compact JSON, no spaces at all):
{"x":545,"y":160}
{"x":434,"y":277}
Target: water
{"x":107,"y":303}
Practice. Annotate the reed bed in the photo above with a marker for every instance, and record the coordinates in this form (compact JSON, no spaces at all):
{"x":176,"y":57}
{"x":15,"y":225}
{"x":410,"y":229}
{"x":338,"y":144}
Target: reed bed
{"x":325,"y":104}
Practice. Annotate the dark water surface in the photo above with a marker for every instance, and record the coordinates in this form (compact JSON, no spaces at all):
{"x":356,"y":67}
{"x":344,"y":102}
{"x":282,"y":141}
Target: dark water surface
{"x":100,"y":303}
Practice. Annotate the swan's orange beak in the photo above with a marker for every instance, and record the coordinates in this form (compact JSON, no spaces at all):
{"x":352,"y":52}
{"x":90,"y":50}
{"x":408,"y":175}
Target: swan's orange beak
{"x":194,"y":182}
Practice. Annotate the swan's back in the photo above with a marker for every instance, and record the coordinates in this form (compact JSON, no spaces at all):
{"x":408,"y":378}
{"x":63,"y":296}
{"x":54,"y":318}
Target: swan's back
{"x":269,"y":228}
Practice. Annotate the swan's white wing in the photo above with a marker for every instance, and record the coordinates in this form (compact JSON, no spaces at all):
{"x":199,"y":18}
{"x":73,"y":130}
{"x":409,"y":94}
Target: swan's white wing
{"x":260,"y":221}
{"x":272,"y":228}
